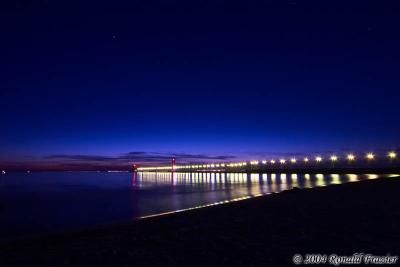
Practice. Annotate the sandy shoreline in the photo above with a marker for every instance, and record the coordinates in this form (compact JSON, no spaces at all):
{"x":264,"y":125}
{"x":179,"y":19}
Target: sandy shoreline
{"x":342,"y":219}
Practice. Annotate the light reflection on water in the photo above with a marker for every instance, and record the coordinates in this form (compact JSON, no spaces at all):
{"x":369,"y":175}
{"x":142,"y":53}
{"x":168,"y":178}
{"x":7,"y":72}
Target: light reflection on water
{"x":254,"y":182}
{"x":245,"y":185}
{"x":47,"y":202}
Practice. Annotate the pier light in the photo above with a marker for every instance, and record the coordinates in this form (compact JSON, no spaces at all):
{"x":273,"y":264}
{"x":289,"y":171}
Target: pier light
{"x":217,"y":165}
{"x":222,"y":164}
{"x":370,"y":156}
{"x":244,"y":163}
{"x":306,"y":160}
{"x":212,"y":165}
{"x":334,"y":158}
{"x":318,"y":159}
{"x":208,"y":166}
{"x":392,"y":155}
{"x":351,"y":157}
{"x":293,"y":160}
{"x":254,"y":162}
{"x":264,"y":162}
{"x":273,"y":161}
{"x":282,"y":161}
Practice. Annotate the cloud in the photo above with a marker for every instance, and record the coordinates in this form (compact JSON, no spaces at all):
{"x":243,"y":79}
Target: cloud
{"x":120,"y":162}
{"x":79,"y":157}
{"x":155,"y":156}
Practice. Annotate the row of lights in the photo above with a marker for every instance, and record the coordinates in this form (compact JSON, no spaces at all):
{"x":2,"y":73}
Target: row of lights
{"x":349,"y":157}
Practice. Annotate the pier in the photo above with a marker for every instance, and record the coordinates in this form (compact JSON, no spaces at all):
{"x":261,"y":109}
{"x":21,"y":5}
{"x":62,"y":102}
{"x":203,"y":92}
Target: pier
{"x":349,"y":163}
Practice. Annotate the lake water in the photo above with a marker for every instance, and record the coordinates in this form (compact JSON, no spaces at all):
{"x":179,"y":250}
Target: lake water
{"x":43,"y":202}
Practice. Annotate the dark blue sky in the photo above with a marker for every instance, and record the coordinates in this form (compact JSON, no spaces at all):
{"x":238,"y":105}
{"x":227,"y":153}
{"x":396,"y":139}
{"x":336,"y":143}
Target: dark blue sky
{"x":93,"y":82}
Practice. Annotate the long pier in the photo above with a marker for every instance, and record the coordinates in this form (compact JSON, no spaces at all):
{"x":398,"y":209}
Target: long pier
{"x":350,"y":163}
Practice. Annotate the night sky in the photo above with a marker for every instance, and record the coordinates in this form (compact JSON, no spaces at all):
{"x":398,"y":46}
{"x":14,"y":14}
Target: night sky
{"x":93,"y":84}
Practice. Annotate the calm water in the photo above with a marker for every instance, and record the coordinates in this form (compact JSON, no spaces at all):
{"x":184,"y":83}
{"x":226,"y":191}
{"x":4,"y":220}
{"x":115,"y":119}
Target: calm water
{"x":37,"y":203}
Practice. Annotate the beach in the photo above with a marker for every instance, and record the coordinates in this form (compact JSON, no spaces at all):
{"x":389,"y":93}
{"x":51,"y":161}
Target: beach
{"x":359,"y":217}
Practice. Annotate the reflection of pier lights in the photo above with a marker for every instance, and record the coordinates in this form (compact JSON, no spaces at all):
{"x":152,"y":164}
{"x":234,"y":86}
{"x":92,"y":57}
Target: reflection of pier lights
{"x":294,"y":178}
{"x":320,"y":179}
{"x":335,"y":179}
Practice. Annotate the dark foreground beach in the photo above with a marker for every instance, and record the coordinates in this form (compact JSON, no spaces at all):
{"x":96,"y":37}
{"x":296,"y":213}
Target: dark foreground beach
{"x":362,"y":217}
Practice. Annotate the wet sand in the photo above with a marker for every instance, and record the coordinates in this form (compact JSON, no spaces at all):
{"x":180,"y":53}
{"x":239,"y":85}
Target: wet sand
{"x":343,"y":219}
